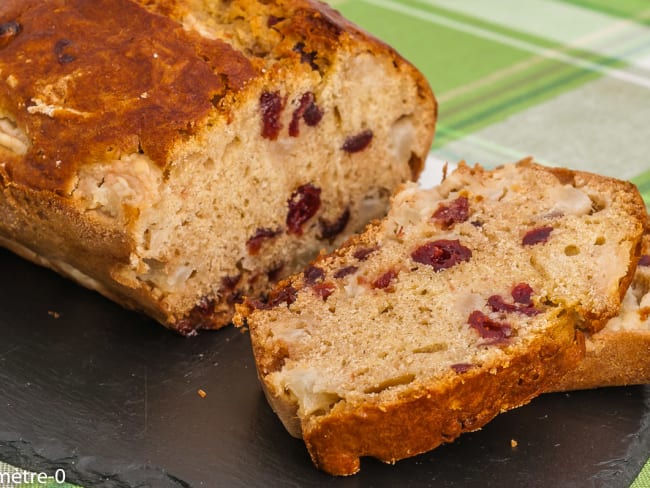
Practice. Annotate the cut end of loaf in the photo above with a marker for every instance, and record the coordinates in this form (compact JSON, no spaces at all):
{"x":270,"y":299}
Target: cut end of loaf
{"x":617,"y":355}
{"x":251,"y":136}
{"x":477,"y":285}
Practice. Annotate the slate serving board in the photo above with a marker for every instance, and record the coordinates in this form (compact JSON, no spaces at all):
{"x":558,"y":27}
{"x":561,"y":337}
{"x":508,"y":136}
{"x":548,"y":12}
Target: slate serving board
{"x":111,"y":397}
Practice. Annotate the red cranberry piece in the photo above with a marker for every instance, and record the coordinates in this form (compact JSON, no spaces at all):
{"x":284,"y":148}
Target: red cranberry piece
{"x":537,"y":236}
{"x":271,"y":105}
{"x":343,"y":272}
{"x":385,"y":280}
{"x":306,"y":56}
{"x":274,"y":273}
{"x":306,"y":106}
{"x":328,"y":230}
{"x":272,"y":20}
{"x":488,"y":328}
{"x":522,"y":293}
{"x":644,"y":260}
{"x":461,"y":368}
{"x":498,"y":304}
{"x":363,"y":253}
{"x":286,"y":294}
{"x":303,"y":205}
{"x":358,"y":142}
{"x":235,"y":297}
{"x":441,"y":254}
{"x":254,"y":243}
{"x":312,"y":115}
{"x":198,"y":318}
{"x":186,"y":327}
{"x":59,"y":50}
{"x":8,"y":32}
{"x":313,"y":274}
{"x":230,"y":282}
{"x":324,"y":290}
{"x":455,"y":212}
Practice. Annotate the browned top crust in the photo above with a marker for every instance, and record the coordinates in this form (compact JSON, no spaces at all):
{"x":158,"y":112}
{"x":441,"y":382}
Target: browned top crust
{"x":128,"y":79}
{"x":134,"y":76}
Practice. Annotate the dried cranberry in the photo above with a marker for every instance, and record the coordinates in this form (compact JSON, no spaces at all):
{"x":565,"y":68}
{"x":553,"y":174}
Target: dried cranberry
{"x":313,"y":274}
{"x":274,"y":273}
{"x":186,"y":327}
{"x":358,"y":142}
{"x":455,"y":212}
{"x":229,"y":282}
{"x":329,"y":230}
{"x":498,"y":304}
{"x":59,"y":50}
{"x":488,"y":328}
{"x":305,"y":106}
{"x":441,"y":254}
{"x":303,"y":205}
{"x":324,"y":290}
{"x":286,"y":294}
{"x":199,"y":317}
{"x":461,"y":368}
{"x":254,"y":243}
{"x":537,"y":236}
{"x":205,"y":307}
{"x":312,"y":115}
{"x":522,"y":293}
{"x":272,"y":20}
{"x":8,"y":32}
{"x":271,"y":105}
{"x":385,"y":280}
{"x":363,"y":253}
{"x":235,"y":297}
{"x":306,"y":57}
{"x":644,"y":260}
{"x":343,"y":272}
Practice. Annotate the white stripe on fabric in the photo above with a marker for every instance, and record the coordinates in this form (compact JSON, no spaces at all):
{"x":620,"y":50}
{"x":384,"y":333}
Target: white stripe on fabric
{"x":575,"y":26}
{"x":510,"y":41}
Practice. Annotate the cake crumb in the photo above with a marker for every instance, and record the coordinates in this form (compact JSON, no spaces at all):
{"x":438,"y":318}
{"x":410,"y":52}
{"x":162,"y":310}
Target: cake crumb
{"x":202,"y":393}
{"x":513,"y":443}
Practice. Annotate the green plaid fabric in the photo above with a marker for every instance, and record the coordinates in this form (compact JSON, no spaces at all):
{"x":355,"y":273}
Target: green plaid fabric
{"x":643,"y":480}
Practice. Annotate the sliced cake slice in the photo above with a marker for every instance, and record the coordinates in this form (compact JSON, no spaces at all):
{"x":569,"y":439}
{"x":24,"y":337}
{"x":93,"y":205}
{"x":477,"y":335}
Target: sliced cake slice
{"x":465,"y":301}
{"x":619,"y":354}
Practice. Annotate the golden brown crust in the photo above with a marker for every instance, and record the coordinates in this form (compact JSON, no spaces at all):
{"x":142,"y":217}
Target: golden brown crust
{"x":434,"y":416}
{"x":129,"y":82}
{"x":613,"y":359}
{"x":132,"y":82}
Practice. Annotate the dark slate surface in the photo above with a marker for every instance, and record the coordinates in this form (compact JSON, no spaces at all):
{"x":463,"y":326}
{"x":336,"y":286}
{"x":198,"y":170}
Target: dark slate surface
{"x":111,"y":397}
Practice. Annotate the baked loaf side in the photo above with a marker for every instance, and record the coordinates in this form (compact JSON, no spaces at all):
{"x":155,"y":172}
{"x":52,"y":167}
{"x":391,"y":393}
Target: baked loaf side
{"x":619,"y":354}
{"x":175,"y":155}
{"x":462,"y":303}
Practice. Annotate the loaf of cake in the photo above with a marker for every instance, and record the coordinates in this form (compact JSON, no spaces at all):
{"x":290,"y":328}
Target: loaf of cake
{"x":467,"y":300}
{"x":619,"y":354}
{"x":177,"y":154}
